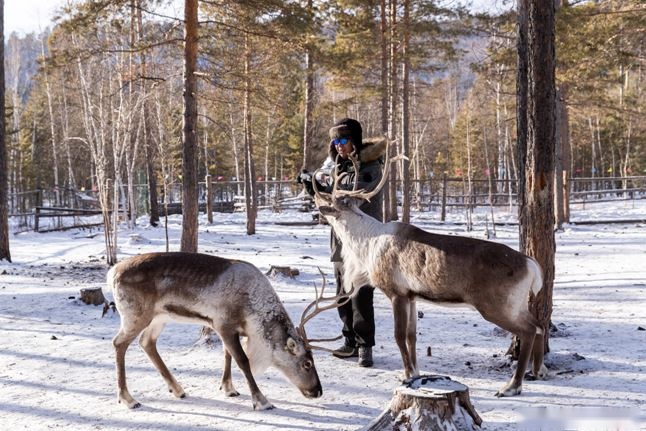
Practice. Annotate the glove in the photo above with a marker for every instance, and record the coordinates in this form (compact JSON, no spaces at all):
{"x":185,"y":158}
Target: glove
{"x":304,"y":175}
{"x":306,"y":179}
{"x":307,"y":185}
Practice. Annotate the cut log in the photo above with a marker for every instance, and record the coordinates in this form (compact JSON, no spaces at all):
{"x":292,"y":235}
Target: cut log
{"x":429,"y":403}
{"x":282,"y":270}
{"x":93,"y":295}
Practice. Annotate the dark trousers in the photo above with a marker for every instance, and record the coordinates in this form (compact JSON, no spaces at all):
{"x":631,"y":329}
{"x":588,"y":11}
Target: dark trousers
{"x":358,"y":314}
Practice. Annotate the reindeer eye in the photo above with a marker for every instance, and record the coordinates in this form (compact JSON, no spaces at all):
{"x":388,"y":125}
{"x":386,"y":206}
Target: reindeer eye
{"x":307,"y":364}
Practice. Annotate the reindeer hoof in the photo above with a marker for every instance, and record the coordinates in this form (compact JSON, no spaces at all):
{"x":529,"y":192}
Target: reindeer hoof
{"x":178,"y":394}
{"x":542,"y":373}
{"x":508,"y":391}
{"x":264,"y":407}
{"x":229,"y":390}
{"x":131,"y":403}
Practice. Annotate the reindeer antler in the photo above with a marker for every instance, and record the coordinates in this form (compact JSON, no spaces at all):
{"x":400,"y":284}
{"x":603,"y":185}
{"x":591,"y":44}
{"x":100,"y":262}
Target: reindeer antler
{"x":363,"y":194}
{"x":313,"y":309}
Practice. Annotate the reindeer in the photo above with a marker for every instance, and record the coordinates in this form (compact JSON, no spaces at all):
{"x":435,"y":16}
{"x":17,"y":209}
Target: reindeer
{"x":232,"y":297}
{"x":407,"y":263}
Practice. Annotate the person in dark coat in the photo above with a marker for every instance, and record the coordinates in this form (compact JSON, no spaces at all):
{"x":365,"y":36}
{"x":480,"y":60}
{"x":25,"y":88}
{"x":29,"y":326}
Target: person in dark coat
{"x":357,"y":315}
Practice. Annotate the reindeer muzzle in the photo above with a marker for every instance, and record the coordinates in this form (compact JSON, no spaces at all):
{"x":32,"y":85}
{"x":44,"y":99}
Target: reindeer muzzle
{"x":313,"y":393}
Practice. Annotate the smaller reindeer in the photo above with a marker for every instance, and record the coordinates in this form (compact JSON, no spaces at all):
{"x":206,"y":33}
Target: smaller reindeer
{"x":406,"y":263}
{"x":232,"y":297}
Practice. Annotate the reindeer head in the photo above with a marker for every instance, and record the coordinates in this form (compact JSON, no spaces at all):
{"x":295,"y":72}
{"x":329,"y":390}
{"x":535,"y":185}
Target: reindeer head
{"x":295,"y":360}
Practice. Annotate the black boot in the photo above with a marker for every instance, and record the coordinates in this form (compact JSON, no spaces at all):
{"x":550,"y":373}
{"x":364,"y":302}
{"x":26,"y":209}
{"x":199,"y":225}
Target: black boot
{"x":365,"y":356}
{"x":345,"y":351}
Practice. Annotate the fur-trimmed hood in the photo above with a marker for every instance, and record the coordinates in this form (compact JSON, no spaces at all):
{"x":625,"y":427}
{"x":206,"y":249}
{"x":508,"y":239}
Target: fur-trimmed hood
{"x":371,"y":149}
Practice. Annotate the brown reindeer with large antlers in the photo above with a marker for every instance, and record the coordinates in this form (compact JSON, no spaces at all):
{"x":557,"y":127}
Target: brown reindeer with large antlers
{"x":407,"y":263}
{"x":232,"y":297}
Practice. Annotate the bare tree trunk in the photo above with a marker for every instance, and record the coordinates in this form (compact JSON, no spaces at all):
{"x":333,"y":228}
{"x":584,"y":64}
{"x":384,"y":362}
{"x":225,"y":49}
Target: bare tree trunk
{"x":602,"y":162}
{"x":566,"y":157}
{"x":268,"y":135}
{"x":234,"y":145}
{"x":131,"y":163}
{"x":406,"y":116}
{"x":190,"y":151}
{"x":391,"y":196}
{"x":149,"y":147}
{"x":132,"y":141}
{"x":522,"y":88}
{"x":383,"y":45}
{"x":469,"y":194}
{"x":71,"y":181}
{"x":539,"y":242}
{"x":562,"y":160}
{"x":522,"y":91}
{"x":308,"y":122}
{"x":208,"y":185}
{"x":4,"y":201}
{"x":511,"y":162}
{"x":165,"y":171}
{"x":502,"y":175}
{"x":593,"y":157}
{"x":250,"y":170}
{"x":51,"y":129}
{"x":15,"y":159}
{"x":490,"y":187}
{"x":385,"y":90}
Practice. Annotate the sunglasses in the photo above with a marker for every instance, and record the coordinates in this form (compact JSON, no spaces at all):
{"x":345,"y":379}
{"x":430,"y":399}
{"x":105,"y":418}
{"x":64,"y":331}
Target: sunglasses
{"x":341,"y":141}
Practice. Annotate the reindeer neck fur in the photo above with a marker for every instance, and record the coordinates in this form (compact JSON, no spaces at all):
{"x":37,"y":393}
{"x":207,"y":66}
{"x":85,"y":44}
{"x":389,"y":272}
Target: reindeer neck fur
{"x":267,"y":327}
{"x":357,"y":231}
{"x":363,"y":240}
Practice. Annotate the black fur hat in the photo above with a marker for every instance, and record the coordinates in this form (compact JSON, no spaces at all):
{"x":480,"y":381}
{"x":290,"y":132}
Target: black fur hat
{"x":348,"y":128}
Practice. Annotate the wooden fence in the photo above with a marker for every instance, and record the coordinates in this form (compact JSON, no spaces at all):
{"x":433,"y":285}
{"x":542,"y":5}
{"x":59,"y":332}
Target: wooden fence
{"x":434,"y":194}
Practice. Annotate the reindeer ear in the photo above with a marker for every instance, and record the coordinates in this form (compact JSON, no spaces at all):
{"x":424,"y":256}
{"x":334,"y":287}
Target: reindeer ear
{"x":291,"y":346}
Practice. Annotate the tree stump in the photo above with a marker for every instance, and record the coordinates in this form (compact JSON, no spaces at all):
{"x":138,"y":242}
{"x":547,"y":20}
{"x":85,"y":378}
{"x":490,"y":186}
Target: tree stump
{"x":282,"y":270}
{"x":428,"y":403}
{"x":93,"y":295}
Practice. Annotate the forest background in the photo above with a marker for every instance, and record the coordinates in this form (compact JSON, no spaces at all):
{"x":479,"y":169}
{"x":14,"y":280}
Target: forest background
{"x":96,"y":101}
{"x":118,"y":98}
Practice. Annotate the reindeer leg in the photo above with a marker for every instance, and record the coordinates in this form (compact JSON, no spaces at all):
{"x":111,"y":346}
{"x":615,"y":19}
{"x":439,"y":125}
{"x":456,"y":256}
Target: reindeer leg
{"x":148,"y":341}
{"x":411,"y":336}
{"x":227,"y":384}
{"x":539,"y":370}
{"x":127,"y":333}
{"x":526,"y":333}
{"x":232,"y":344}
{"x":401,"y":310}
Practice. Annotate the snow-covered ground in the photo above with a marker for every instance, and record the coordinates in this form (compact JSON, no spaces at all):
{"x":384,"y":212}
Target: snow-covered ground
{"x":57,"y":362}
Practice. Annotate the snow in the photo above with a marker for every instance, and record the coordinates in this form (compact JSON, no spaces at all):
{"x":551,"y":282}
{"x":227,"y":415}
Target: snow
{"x":57,"y":362}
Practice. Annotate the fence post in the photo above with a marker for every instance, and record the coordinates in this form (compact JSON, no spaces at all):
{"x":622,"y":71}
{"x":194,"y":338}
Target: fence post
{"x":444,"y":183}
{"x":36,"y":219}
{"x":209,"y":198}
